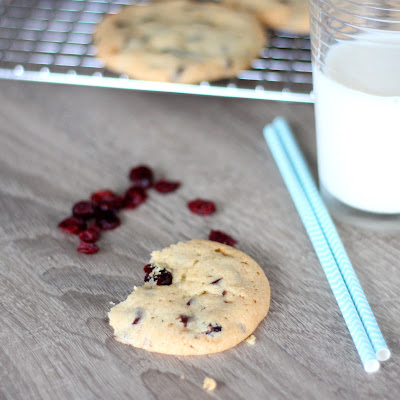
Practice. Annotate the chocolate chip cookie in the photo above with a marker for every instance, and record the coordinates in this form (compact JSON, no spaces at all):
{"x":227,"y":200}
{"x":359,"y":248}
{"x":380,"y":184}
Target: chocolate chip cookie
{"x":285,"y":15}
{"x":179,"y":41}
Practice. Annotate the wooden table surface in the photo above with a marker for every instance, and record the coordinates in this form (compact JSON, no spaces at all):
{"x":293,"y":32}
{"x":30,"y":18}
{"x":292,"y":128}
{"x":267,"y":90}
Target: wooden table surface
{"x":60,"y":143}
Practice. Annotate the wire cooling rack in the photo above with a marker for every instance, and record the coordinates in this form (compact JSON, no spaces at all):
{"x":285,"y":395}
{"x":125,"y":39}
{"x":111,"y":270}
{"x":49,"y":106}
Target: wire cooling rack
{"x":51,"y":41}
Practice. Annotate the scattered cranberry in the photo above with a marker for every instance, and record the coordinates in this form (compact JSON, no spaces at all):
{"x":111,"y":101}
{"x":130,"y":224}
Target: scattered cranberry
{"x":216,"y":281}
{"x":213,"y":329}
{"x":201,"y":207}
{"x":93,"y":226}
{"x":164,"y":186}
{"x":103,"y":195}
{"x":224,"y":293}
{"x":189,"y":302}
{"x":87,"y":248}
{"x":107,"y":220}
{"x":107,"y":200}
{"x":141,"y":176}
{"x":221,"y":237}
{"x":184,"y":319}
{"x":83,"y":209}
{"x":90,"y":235}
{"x":134,"y":196}
{"x":72,"y":225}
{"x":105,"y":203}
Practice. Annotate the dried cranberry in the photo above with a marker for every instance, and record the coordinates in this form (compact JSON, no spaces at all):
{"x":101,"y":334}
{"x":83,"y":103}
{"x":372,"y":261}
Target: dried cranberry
{"x":164,"y":186}
{"x":134,"y":196}
{"x":141,"y":176}
{"x":83,"y":209}
{"x":72,"y":225}
{"x":108,"y":200}
{"x":93,"y":226}
{"x":224,"y":293}
{"x":162,"y":278}
{"x":107,"y":220}
{"x":138,"y":318}
{"x":103,"y":195}
{"x":87,"y":248}
{"x":90,"y":235}
{"x":216,"y":281}
{"x":189,"y":302}
{"x":213,"y":328}
{"x":201,"y":207}
{"x":113,"y":205}
{"x":148,"y":268}
{"x":222,"y":237}
{"x":184,"y":319}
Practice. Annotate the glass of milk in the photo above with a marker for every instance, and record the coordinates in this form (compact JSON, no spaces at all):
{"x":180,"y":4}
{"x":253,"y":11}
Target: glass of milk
{"x":356,"y":75}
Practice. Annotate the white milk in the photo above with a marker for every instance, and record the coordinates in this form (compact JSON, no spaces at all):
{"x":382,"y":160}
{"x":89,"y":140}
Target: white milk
{"x":358,"y":123}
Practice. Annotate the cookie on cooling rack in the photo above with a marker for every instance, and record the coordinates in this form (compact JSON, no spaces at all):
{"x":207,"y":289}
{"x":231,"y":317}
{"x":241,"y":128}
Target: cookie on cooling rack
{"x":199,"y":297}
{"x":179,"y":41}
{"x":286,"y":15}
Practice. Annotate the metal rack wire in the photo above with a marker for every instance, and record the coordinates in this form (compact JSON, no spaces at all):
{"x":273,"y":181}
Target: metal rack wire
{"x":51,"y":41}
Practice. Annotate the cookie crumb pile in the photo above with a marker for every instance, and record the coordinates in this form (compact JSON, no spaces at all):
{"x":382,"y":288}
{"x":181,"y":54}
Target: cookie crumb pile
{"x":199,"y":297}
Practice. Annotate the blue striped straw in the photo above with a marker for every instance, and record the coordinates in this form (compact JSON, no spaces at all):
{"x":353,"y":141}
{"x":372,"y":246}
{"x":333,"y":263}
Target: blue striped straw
{"x":321,"y":247}
{"x":342,"y":259}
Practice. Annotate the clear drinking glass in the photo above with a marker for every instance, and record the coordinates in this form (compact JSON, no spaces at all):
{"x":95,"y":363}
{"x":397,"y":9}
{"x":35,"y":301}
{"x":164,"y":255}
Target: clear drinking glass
{"x":356,"y":76}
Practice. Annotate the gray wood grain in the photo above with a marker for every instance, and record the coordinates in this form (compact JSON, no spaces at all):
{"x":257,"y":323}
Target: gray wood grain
{"x":58,"y":144}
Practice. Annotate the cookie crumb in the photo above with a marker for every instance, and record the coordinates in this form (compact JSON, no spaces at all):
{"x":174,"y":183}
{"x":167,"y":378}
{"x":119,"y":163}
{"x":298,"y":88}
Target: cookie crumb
{"x":209,"y":384}
{"x":134,"y":288}
{"x":182,"y":376}
{"x":251,"y":340}
{"x":112,"y":303}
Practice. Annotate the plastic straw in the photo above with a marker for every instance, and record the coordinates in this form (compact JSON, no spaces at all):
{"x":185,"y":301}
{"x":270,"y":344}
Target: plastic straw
{"x":342,"y":259}
{"x":322,"y":249}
